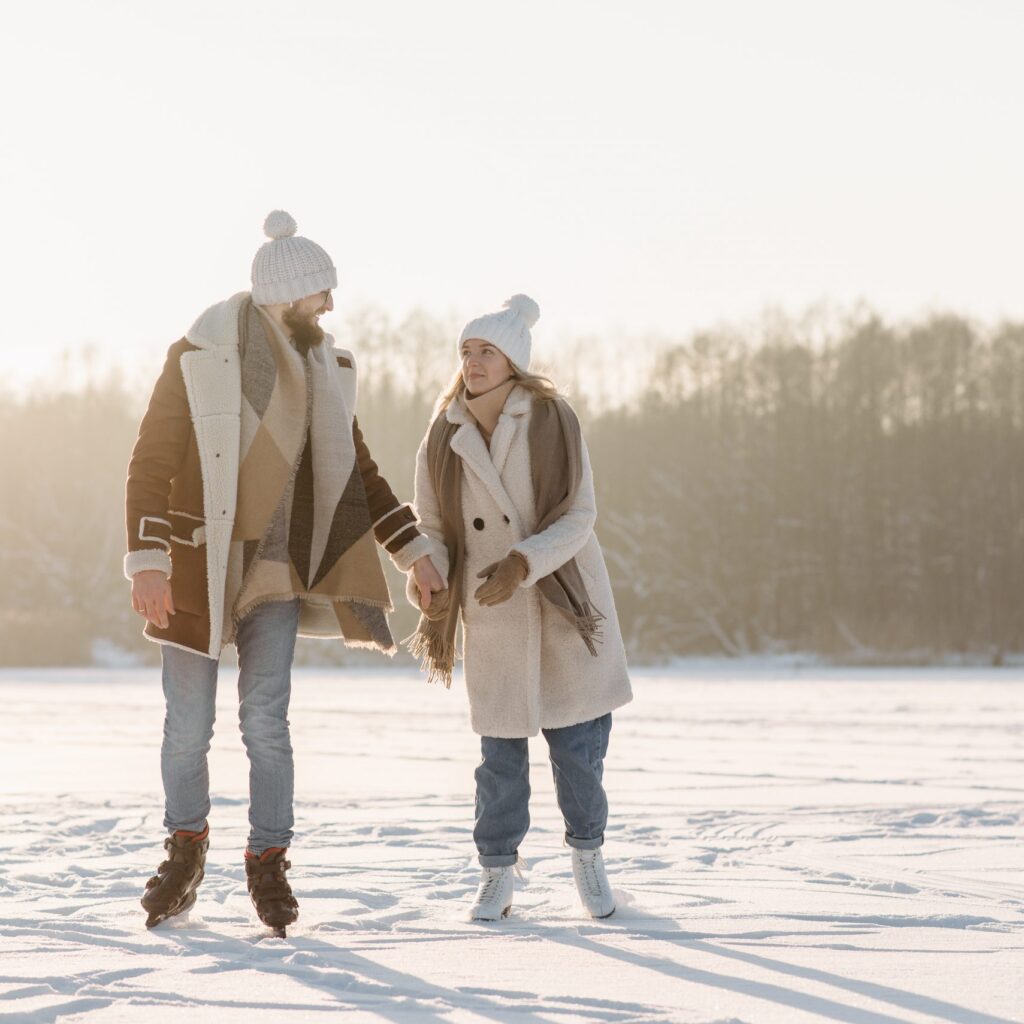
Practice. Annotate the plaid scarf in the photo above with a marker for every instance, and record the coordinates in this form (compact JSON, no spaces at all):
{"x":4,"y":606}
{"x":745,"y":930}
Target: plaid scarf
{"x":556,"y":468}
{"x":315,"y":543}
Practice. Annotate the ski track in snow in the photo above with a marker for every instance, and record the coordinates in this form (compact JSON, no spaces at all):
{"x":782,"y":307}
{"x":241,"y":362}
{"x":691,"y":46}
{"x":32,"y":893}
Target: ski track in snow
{"x":812,"y":845}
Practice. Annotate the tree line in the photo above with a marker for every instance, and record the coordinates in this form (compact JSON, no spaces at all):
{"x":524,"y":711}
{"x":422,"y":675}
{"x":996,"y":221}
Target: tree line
{"x":851,"y":487}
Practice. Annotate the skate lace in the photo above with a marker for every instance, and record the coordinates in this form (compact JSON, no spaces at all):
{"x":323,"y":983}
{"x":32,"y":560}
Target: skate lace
{"x":489,"y":886}
{"x":593,"y":882}
{"x":491,"y":883}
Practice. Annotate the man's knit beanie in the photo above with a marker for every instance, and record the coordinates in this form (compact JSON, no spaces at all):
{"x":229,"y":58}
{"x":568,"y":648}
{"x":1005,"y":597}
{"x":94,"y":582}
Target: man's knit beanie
{"x":507,"y":330}
{"x":289,"y":267}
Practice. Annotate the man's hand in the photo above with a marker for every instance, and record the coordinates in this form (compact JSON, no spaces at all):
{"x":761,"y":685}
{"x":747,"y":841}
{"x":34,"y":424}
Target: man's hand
{"x":503,"y":578}
{"x":428,"y":580}
{"x":151,"y":596}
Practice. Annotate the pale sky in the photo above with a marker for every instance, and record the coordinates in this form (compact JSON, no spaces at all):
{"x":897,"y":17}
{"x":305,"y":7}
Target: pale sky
{"x":637,"y":167}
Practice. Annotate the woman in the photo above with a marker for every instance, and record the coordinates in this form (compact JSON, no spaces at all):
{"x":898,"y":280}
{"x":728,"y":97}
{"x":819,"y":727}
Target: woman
{"x":504,"y":489}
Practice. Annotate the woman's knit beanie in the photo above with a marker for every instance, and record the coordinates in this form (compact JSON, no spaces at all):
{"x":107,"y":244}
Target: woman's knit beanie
{"x":507,"y":330}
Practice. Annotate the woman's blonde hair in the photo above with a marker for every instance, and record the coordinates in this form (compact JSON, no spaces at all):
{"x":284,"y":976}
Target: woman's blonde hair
{"x":541,"y":387}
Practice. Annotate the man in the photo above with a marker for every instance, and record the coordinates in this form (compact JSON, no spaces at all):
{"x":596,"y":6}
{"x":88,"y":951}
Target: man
{"x":252,"y":508}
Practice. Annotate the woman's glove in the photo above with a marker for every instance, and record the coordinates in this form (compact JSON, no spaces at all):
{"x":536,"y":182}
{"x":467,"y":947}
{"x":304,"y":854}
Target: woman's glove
{"x":503,"y":579}
{"x":439,"y":601}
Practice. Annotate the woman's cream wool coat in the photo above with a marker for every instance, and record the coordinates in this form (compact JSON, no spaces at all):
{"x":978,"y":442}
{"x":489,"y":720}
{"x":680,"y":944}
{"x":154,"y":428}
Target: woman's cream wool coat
{"x":526,"y":667}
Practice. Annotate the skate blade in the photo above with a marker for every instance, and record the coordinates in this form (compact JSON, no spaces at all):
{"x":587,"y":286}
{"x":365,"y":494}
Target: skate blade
{"x":158,"y":918}
{"x":501,"y":917}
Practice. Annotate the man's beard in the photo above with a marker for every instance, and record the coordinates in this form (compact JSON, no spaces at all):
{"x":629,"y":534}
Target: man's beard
{"x":306,"y":332}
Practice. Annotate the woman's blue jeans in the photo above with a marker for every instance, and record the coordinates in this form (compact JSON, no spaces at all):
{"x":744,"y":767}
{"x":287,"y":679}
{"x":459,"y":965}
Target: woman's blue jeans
{"x":577,"y":755}
{"x":266,"y":645}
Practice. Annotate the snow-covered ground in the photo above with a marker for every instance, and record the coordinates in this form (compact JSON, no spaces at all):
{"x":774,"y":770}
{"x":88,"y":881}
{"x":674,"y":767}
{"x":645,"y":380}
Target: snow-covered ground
{"x":787,"y":845}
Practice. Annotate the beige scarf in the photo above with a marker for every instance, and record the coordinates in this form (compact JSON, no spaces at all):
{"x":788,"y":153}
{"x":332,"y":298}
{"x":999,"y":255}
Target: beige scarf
{"x":302,"y":525}
{"x":556,"y":467}
{"x":486,"y":408}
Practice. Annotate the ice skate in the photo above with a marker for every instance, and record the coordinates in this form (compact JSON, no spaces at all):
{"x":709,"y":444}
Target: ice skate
{"x":494,"y":895}
{"x":268,"y":886}
{"x":172,"y":890}
{"x":592,"y":882}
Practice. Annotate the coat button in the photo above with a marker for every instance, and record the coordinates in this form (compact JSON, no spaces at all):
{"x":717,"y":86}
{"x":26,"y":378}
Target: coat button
{"x":506,"y":518}
{"x":478,"y":523}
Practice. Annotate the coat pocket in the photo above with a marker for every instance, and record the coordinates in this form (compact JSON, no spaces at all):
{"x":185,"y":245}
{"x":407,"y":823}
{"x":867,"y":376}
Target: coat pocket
{"x":188,"y":562}
{"x":590,"y":581}
{"x":187,"y":530}
{"x":588,"y":561}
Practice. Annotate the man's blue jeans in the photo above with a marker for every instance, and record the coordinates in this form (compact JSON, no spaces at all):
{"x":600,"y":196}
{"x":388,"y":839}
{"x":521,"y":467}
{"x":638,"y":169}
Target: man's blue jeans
{"x":266,"y":644}
{"x":577,"y":755}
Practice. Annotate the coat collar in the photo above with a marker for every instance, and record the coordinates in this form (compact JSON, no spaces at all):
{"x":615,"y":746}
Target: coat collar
{"x":468,"y":443}
{"x":218,"y":325}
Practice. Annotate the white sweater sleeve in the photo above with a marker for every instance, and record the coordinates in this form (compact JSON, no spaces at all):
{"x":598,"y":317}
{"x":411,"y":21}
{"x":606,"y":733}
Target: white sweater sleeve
{"x":564,"y":538}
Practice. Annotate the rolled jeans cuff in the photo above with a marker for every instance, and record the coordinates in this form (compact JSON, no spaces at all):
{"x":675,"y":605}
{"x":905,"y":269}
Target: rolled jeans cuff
{"x":584,"y":844}
{"x":498,"y":860}
{"x":189,"y":826}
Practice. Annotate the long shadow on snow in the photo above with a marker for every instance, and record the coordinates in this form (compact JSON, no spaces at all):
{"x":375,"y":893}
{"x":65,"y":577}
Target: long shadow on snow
{"x":375,"y":984}
{"x":774,"y":993}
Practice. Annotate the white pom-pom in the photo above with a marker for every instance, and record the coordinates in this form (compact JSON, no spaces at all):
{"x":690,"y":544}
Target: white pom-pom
{"x":525,"y":307}
{"x":279,"y":224}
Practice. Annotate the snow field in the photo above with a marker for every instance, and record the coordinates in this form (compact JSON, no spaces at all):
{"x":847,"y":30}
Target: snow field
{"x":786,"y":845}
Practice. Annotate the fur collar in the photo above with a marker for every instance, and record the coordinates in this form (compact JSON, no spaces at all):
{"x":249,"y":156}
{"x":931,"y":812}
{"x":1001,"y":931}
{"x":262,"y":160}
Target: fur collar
{"x":218,"y":325}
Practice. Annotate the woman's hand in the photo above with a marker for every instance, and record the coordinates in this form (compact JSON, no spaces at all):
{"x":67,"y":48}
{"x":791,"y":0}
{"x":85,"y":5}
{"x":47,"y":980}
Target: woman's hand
{"x":151,"y":596}
{"x":503,"y":579}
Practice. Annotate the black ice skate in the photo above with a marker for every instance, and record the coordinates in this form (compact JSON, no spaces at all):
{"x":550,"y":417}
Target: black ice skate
{"x":172,"y":890}
{"x":271,"y":894}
